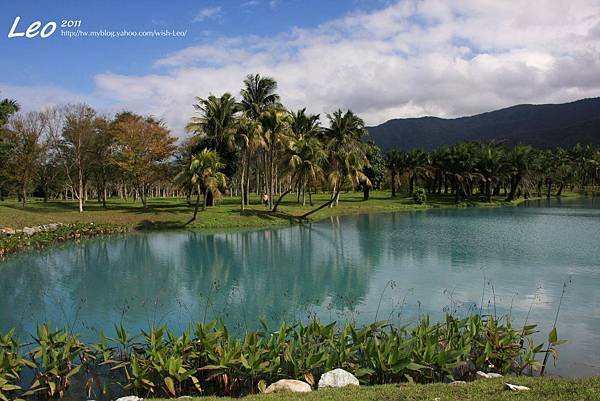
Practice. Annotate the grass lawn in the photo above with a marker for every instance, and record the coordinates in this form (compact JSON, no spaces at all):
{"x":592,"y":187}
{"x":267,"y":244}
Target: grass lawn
{"x":174,"y":212}
{"x":542,"y":389}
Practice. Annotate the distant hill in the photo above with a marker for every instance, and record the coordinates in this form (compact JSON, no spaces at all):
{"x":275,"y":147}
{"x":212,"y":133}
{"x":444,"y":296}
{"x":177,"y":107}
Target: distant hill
{"x":544,"y":125}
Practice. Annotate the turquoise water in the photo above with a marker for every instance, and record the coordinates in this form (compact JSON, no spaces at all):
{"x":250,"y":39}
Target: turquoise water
{"x":382,"y":266}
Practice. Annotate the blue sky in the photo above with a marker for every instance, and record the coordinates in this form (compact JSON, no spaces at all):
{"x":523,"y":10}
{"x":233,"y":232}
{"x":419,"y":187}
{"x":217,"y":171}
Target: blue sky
{"x":72,"y":63}
{"x":382,"y":59}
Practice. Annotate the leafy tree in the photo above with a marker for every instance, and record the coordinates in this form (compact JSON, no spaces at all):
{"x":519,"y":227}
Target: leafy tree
{"x":143,"y":145}
{"x":24,"y":135}
{"x":8,"y":107}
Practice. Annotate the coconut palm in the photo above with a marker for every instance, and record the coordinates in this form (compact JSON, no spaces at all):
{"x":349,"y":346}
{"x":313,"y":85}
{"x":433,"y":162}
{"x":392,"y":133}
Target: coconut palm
{"x":216,"y":123}
{"x":395,"y":161}
{"x":275,"y":129}
{"x":519,"y":160}
{"x":204,"y":174}
{"x":215,"y":127}
{"x":344,"y":144}
{"x":417,"y":162}
{"x":490,"y":164}
{"x":303,"y":161}
{"x":258,"y":95}
{"x":302,"y":124}
{"x":248,"y":136}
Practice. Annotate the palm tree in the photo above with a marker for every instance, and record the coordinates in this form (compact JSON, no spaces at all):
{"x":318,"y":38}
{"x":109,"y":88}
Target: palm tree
{"x":205,"y":176}
{"x":303,"y":162}
{"x":416,"y":162}
{"x":395,"y":164}
{"x":258,"y":95}
{"x":216,"y":123}
{"x":345,"y":147}
{"x":7,"y":108}
{"x":490,"y":164}
{"x":275,"y":128}
{"x":215,"y":128}
{"x":248,"y":138}
{"x":519,"y":160}
{"x":302,"y":124}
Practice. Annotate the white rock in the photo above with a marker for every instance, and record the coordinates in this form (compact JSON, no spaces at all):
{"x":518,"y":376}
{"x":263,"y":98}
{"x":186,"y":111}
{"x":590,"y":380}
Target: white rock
{"x":129,"y":398}
{"x":483,"y":375}
{"x":458,"y":382}
{"x":292,"y":386}
{"x":338,"y":378}
{"x":30,"y":230}
{"x":515,"y":387}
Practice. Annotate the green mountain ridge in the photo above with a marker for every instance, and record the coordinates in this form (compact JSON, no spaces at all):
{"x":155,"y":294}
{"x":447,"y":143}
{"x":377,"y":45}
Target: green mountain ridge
{"x":543,"y":125}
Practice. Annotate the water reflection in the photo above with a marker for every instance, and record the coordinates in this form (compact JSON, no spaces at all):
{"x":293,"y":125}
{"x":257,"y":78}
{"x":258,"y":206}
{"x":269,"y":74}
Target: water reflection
{"x":393,"y":266}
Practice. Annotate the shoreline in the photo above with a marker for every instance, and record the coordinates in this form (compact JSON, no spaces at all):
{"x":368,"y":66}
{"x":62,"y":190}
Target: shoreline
{"x":20,"y":242}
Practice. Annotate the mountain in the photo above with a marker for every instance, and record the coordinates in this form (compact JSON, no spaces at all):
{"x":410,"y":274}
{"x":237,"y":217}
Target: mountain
{"x":543,"y":125}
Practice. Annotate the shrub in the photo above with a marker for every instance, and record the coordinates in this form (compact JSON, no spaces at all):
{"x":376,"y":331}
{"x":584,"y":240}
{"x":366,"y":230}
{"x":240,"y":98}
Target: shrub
{"x":420,"y":196}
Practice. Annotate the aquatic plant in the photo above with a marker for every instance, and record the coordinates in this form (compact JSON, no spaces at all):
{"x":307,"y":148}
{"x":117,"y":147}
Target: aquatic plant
{"x":162,"y":363}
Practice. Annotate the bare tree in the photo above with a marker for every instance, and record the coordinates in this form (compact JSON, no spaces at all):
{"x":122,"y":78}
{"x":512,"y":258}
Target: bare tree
{"x":77,"y":144}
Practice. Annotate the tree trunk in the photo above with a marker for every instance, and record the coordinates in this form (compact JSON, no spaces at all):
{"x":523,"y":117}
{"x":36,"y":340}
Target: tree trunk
{"x":513,"y":187}
{"x":324,"y":205}
{"x":242,"y":193}
{"x":205,"y":199}
{"x":560,"y":189}
{"x":80,"y":196}
{"x":195,"y":208}
{"x":276,"y":205}
{"x":366,"y":191}
{"x":209,"y":198}
{"x":24,"y":194}
{"x":393,"y":184}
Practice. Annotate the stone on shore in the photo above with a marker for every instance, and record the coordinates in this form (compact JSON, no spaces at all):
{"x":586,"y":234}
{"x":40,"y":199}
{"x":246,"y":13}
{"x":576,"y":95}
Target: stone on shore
{"x":515,"y":387}
{"x":286,"y":385}
{"x":29,"y":230}
{"x":338,"y":378}
{"x":483,"y":375}
{"x":129,"y":398}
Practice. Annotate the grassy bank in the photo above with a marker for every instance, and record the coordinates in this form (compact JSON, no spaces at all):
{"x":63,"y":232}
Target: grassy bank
{"x":21,"y":241}
{"x":174,"y":213}
{"x":547,"y":389}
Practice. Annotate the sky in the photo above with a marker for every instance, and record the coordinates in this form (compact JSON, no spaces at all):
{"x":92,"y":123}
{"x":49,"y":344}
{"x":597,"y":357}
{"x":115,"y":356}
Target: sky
{"x":381,"y":59}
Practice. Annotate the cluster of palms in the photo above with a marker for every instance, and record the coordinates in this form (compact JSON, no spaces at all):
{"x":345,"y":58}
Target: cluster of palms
{"x":492,"y":169}
{"x":258,"y":143}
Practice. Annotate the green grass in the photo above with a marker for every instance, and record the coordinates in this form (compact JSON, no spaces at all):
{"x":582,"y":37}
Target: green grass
{"x":542,"y":389}
{"x":173,"y":212}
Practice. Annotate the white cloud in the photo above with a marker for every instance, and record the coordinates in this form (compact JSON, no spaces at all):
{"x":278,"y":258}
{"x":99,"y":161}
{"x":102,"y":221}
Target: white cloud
{"x":39,"y":97}
{"x":412,"y":58}
{"x":207,"y":13}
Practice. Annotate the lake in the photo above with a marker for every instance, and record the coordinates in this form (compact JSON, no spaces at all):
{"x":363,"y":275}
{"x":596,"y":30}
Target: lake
{"x":513,"y":260}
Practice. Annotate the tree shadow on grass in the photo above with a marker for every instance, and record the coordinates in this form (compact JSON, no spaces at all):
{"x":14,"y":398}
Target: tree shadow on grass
{"x":268,"y":215}
{"x":147,"y":225}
